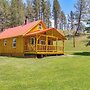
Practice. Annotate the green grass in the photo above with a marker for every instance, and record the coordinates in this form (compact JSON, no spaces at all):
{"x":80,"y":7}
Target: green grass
{"x":69,"y":72}
{"x":50,"y":73}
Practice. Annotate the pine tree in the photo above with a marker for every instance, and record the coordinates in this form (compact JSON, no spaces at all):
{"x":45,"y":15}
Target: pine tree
{"x":56,"y":12}
{"x":17,"y":12}
{"x":63,"y":21}
{"x":41,"y":10}
{"x":4,"y":14}
{"x":29,"y":12}
{"x":47,"y":13}
{"x":36,"y":9}
{"x":72,"y":20}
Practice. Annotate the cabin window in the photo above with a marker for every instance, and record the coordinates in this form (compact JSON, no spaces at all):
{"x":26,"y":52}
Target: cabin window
{"x":14,"y":42}
{"x":43,"y":42}
{"x":5,"y":42}
{"x":50,"y":42}
{"x":40,"y":26}
{"x":33,"y":41}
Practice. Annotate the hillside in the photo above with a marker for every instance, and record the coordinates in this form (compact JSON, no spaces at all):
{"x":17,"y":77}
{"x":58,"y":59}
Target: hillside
{"x":80,"y":45}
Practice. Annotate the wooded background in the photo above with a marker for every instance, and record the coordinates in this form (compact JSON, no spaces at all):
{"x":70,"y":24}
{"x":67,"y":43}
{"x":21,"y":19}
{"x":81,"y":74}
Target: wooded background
{"x":14,"y":13}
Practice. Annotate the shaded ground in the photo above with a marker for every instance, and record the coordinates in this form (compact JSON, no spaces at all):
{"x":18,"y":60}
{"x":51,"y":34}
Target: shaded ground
{"x":82,"y":53}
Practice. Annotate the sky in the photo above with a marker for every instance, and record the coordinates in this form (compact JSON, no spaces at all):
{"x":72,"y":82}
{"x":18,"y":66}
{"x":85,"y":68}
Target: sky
{"x":66,"y":5}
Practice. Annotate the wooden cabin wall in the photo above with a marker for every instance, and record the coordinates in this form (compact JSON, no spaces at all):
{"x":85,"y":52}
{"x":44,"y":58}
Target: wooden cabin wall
{"x":9,"y":49}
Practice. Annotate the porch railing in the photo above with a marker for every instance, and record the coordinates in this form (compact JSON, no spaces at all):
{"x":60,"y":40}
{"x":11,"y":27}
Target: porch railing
{"x":43,"y":48}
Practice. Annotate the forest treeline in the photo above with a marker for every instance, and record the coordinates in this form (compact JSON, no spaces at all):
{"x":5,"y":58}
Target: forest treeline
{"x":14,"y":13}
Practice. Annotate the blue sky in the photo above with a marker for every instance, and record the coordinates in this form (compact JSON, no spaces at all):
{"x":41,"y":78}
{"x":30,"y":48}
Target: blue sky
{"x":66,"y":5}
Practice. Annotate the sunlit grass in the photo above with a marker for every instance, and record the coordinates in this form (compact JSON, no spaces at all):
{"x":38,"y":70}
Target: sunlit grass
{"x":50,"y":73}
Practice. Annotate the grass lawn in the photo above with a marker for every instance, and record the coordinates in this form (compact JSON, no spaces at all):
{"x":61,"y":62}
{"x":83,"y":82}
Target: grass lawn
{"x":50,"y":73}
{"x":69,"y":72}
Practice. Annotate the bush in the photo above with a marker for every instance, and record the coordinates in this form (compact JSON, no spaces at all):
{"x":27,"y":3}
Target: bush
{"x":87,"y":29}
{"x":88,"y":43}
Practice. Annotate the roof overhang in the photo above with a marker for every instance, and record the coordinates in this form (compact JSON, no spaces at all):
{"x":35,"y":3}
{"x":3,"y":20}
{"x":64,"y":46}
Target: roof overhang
{"x":43,"y":31}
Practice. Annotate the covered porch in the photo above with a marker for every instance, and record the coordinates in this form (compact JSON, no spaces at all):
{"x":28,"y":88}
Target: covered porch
{"x":45,"y":42}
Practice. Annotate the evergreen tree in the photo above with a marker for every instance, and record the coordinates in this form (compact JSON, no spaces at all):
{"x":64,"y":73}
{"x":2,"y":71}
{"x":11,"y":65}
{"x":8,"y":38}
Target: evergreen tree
{"x":17,"y":12}
{"x":29,"y":12}
{"x":41,"y":11}
{"x":63,"y":21}
{"x":72,"y":20}
{"x":56,"y":12}
{"x":36,"y":9}
{"x":4,"y":14}
{"x":47,"y":13}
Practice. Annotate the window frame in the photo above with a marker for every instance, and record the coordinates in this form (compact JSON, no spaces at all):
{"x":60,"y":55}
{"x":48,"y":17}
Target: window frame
{"x":14,"y":42}
{"x":40,"y":26}
{"x":33,"y":40}
{"x":5,"y":42}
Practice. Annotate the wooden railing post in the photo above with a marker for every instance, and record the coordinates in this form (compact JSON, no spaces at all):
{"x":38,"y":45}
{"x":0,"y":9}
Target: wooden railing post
{"x":56,"y":44}
{"x":63,"y":46}
{"x":46,"y":43}
{"x":36,"y":41}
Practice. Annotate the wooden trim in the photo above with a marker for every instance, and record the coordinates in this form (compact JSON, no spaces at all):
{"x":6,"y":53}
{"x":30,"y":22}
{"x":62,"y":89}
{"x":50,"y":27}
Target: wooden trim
{"x":48,"y":36}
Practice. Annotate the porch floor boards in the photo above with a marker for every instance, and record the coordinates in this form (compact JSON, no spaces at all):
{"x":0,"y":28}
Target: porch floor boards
{"x":51,"y":53}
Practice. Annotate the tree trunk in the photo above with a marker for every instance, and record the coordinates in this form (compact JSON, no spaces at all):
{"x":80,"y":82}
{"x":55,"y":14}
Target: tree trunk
{"x":78,"y":27}
{"x":74,"y":44}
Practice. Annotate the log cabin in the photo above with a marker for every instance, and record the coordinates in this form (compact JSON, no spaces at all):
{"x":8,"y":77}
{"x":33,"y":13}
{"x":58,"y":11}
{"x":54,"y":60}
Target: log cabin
{"x":32,"y":38}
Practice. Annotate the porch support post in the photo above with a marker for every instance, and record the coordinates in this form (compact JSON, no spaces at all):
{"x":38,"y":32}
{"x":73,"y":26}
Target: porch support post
{"x":56,"y":44}
{"x":63,"y":46}
{"x":36,"y":41}
{"x":46,"y":43}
